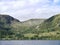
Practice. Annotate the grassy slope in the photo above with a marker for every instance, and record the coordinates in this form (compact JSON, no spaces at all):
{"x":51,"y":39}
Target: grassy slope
{"x":51,"y":27}
{"x":31,"y":29}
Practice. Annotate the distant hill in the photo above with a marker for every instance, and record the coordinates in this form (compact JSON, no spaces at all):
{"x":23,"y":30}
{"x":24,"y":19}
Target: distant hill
{"x":33,"y":29}
{"x":32,"y":22}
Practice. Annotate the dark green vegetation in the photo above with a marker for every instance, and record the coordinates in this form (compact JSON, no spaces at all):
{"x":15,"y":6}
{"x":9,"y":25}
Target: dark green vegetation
{"x":33,"y":29}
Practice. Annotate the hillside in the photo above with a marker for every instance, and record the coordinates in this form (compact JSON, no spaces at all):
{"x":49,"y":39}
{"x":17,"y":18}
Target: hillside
{"x":10,"y":27}
{"x":5,"y":25}
{"x":52,"y":23}
{"x":51,"y":27}
{"x":33,"y":29}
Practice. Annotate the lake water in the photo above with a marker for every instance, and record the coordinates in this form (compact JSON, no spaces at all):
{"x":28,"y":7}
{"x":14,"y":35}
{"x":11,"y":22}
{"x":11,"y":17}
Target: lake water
{"x":30,"y":42}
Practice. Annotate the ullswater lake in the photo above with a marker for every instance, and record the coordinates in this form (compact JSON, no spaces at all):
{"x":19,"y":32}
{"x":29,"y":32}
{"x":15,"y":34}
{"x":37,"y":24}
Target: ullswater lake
{"x":30,"y":42}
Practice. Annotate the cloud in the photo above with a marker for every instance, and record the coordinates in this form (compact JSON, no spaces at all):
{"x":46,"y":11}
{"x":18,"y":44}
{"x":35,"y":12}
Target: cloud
{"x":27,"y":9}
{"x":56,"y":1}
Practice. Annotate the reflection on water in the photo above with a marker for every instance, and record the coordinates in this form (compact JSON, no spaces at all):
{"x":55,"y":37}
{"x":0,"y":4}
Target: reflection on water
{"x":30,"y":42}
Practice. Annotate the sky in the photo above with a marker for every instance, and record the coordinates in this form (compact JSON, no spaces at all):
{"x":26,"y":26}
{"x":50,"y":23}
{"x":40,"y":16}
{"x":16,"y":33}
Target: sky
{"x":28,"y":9}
